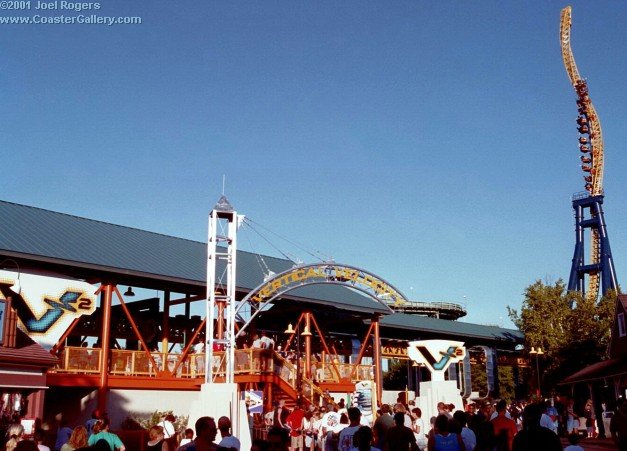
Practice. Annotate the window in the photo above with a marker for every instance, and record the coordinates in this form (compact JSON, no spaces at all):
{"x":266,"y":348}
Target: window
{"x":621,"y":325}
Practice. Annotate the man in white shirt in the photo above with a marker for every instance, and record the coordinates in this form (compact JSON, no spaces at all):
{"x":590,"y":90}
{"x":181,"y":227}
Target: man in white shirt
{"x":228,"y":441}
{"x":346,"y":436}
{"x":168,"y":425}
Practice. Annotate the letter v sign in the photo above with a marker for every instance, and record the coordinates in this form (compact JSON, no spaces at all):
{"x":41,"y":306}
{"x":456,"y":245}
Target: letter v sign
{"x":440,"y":364}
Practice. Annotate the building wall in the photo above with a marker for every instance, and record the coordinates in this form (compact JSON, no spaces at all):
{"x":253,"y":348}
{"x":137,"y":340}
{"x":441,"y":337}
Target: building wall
{"x":142,"y":403}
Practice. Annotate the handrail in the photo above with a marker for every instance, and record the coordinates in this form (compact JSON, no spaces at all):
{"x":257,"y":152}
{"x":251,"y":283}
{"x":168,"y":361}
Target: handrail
{"x":83,"y":360}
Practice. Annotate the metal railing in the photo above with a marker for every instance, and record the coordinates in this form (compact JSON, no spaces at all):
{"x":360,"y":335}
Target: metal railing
{"x":81,"y":360}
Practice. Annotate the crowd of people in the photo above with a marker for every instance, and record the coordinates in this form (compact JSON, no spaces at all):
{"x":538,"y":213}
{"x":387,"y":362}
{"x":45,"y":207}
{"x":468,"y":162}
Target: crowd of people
{"x":96,"y":436}
{"x":481,"y":426}
{"x":484,"y":426}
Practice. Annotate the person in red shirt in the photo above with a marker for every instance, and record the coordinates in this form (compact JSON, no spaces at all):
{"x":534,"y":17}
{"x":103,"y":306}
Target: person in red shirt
{"x":504,"y":428}
{"x":294,"y":422}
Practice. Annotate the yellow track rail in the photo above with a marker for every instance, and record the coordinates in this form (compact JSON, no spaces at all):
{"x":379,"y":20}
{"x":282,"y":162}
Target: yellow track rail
{"x":590,"y":138}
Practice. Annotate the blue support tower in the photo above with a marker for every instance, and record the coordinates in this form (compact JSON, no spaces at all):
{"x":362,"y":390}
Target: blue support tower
{"x":604,"y":266}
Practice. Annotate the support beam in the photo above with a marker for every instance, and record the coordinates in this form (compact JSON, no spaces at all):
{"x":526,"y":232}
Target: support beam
{"x":378,"y":377}
{"x":136,"y":330}
{"x":105,"y":305}
{"x":166,"y":315}
{"x":307,"y":345}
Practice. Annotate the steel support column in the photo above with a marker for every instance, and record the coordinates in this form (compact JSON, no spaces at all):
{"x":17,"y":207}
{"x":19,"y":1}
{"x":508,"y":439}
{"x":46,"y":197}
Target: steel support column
{"x":308,"y":345}
{"x":377,"y":357}
{"x":105,"y":305}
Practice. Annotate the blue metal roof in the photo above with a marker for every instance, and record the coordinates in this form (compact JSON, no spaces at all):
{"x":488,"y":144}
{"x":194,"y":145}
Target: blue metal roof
{"x":127,"y":253}
{"x":426,"y":326}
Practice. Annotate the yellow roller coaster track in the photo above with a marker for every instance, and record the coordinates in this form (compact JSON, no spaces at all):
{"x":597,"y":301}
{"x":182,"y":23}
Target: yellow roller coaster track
{"x":590,"y":138}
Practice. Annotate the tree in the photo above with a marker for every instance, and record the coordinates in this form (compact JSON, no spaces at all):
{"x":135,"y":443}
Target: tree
{"x":396,"y":376}
{"x":572,"y":331}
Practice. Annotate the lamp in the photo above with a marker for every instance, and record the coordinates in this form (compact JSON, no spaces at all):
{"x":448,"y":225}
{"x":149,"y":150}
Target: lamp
{"x":537,"y":352}
{"x":290,"y":330}
{"x":306,"y":332}
{"x":17,"y":286}
{"x":129,"y":292}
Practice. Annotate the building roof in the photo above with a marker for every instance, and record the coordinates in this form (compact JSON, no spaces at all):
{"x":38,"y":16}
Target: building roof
{"x":426,"y":327}
{"x":26,"y":352}
{"x":600,"y":370}
{"x":85,"y":247}
{"x":138,"y":257}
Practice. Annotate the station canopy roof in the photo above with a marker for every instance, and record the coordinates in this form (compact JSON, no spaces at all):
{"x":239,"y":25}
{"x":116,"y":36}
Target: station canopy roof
{"x":426,"y":327}
{"x":95,"y":250}
{"x":85,"y":248}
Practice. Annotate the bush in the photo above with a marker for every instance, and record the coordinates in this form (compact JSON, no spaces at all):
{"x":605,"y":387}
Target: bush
{"x":136,"y":421}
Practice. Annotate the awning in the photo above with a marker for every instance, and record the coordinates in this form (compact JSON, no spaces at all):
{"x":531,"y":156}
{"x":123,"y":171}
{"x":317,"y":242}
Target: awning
{"x":22,"y":380}
{"x":601,"y":370}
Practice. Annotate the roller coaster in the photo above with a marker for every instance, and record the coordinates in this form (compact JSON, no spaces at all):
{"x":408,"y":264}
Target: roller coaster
{"x":600,"y":270}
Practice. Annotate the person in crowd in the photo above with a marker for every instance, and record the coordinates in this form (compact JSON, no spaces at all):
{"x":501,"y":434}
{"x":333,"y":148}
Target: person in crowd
{"x":588,"y":413}
{"x":26,"y":445}
{"x":278,"y":439}
{"x":38,"y":438}
{"x":89,"y":425}
{"x":533,"y":436}
{"x":78,"y":439}
{"x":189,"y":436}
{"x":443,"y":409}
{"x":400,"y":436}
{"x":307,"y":426}
{"x":63,"y":434}
{"x":504,"y":428}
{"x":280,"y":415}
{"x":618,"y":424}
{"x":400,"y":408}
{"x":228,"y":440}
{"x":362,"y":440}
{"x":206,"y":432}
{"x":549,"y":417}
{"x":468,"y":436}
{"x":442,"y":439}
{"x":157,"y":440}
{"x":573,"y":443}
{"x":381,"y":425}
{"x":571,"y":417}
{"x":419,"y":427}
{"x":101,"y":431}
{"x":331,"y":442}
{"x":15,"y":432}
{"x":483,"y":428}
{"x":294,"y":423}
{"x":167,"y":424}
{"x":100,"y":445}
{"x":260,"y":445}
{"x":346,"y":436}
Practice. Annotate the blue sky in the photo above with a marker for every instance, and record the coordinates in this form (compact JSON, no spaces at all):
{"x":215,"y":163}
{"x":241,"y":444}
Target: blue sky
{"x":432,"y":143}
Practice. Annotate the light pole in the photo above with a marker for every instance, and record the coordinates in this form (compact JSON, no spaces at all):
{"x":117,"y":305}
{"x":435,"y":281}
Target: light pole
{"x":290,"y":331}
{"x":537,"y":353}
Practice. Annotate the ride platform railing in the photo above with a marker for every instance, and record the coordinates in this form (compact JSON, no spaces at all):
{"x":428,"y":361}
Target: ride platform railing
{"x":83,"y":360}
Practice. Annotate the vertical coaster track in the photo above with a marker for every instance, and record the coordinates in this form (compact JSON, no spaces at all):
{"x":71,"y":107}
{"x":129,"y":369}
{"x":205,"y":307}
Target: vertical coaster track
{"x":590,"y":140}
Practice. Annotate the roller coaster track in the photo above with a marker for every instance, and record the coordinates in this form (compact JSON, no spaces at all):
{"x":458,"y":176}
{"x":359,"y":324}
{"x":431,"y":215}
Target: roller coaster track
{"x":590,"y":139}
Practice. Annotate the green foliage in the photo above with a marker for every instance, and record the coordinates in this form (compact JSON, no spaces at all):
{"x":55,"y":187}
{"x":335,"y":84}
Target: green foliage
{"x":136,"y":421}
{"x":572,"y":331}
{"x":396,"y":376}
{"x":506,"y":381}
{"x":507,"y":387}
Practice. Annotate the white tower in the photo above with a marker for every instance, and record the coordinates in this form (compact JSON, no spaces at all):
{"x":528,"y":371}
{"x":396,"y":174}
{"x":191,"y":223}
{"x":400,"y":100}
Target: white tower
{"x":221,"y":267}
{"x":218,"y":399}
